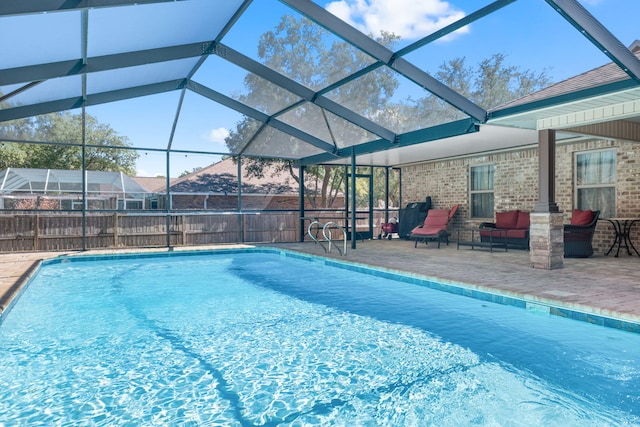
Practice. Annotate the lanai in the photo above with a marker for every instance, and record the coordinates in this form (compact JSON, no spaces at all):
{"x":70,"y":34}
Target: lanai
{"x":90,"y":65}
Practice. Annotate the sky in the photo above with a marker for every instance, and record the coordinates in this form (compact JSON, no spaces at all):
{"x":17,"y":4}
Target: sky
{"x":529,"y":33}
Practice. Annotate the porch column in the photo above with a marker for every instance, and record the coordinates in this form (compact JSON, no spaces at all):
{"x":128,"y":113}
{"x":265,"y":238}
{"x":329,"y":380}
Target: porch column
{"x":546,"y":231}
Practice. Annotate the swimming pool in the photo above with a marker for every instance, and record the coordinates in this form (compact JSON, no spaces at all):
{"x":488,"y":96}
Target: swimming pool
{"x":243,"y":338}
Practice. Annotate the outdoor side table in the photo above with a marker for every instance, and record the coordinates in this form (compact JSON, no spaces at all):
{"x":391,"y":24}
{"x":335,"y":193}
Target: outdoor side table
{"x":497,"y":238}
{"x":622,"y":229}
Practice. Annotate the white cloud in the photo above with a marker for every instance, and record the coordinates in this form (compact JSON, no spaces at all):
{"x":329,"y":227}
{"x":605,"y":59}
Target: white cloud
{"x":218,"y":135}
{"x":409,"y":19}
{"x":148,"y":174}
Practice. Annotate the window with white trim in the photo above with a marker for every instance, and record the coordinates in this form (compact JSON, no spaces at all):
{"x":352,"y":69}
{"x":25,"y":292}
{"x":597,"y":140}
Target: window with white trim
{"x":595,"y":181}
{"x":481,"y":191}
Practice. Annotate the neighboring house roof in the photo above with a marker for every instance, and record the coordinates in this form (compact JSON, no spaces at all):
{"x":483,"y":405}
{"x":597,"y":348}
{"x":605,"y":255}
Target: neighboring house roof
{"x":221,"y":177}
{"x":43,"y":181}
{"x":153,"y":184}
{"x":609,"y":73}
{"x":585,"y":104}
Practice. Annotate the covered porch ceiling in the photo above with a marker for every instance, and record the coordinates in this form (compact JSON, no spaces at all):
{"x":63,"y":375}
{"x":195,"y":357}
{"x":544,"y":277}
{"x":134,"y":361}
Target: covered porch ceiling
{"x":115,"y":51}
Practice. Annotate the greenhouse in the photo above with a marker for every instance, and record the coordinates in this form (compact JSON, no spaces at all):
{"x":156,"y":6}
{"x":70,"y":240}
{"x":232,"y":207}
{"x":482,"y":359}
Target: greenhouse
{"x":62,"y":189}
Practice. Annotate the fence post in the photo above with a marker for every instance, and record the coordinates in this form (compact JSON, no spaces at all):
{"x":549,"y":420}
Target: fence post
{"x":36,"y":233}
{"x":115,"y":230}
{"x":184,"y":229}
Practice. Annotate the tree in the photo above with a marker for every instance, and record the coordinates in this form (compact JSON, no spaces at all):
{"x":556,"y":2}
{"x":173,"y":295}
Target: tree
{"x":379,"y":178}
{"x":185,"y":173}
{"x":299,"y":50}
{"x":490,"y":84}
{"x":66,"y":129}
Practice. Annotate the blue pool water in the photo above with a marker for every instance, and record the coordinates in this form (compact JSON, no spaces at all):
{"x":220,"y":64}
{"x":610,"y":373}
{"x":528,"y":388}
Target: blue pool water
{"x":271,"y":339}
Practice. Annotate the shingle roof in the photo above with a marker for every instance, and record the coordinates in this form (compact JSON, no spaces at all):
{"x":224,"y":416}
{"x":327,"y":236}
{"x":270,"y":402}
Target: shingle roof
{"x":608,"y":73}
{"x":221,"y":177}
{"x":153,"y":184}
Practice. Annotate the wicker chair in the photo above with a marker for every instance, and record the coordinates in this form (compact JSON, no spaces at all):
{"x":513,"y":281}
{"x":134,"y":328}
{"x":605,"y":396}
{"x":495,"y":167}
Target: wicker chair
{"x":579,"y":234}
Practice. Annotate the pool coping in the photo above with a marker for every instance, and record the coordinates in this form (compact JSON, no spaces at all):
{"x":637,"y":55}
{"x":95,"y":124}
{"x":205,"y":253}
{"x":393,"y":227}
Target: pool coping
{"x":531,"y":303}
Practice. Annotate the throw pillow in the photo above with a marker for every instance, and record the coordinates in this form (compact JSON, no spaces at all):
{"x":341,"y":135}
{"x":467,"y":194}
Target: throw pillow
{"x":580,"y":217}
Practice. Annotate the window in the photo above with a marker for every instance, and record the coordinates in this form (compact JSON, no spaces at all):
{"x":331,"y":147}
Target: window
{"x":595,"y":181}
{"x":73,"y":204}
{"x":481,"y":191}
{"x":125,"y":204}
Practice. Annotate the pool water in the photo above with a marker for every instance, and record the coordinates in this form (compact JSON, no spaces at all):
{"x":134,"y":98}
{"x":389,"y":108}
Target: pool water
{"x":265,"y":339}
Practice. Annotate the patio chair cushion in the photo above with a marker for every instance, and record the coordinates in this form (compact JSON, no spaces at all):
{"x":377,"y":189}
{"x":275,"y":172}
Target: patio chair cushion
{"x":437,"y":218}
{"x":507,"y":220}
{"x":428,"y":231}
{"x":580,"y":217}
{"x":517,"y":233}
{"x":523,"y":221}
{"x":435,"y":222}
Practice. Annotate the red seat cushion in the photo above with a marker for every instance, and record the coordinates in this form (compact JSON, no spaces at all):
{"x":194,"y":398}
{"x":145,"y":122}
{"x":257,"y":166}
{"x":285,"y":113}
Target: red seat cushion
{"x":517,"y":234}
{"x":501,"y":234}
{"x":579,"y":217}
{"x":435,"y":223}
{"x":428,"y":231}
{"x":437,"y":218}
{"x":507,"y":219}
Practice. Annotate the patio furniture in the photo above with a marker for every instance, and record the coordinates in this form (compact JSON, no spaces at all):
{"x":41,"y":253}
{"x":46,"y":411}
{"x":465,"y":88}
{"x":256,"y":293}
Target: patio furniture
{"x":578,"y":235}
{"x":497,"y":238}
{"x":622,"y":228}
{"x":515,"y":224}
{"x":434,"y":227}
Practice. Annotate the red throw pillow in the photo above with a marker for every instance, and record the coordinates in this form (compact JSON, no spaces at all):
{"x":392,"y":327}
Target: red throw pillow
{"x":579,"y":217}
{"x":523,"y":220}
{"x":506,"y":219}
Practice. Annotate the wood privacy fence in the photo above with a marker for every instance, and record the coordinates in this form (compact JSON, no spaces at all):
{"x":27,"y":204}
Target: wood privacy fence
{"x":55,"y":231}
{"x":59,"y":232}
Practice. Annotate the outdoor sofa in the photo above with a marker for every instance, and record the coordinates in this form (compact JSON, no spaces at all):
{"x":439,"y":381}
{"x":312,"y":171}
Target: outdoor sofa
{"x":515,"y":224}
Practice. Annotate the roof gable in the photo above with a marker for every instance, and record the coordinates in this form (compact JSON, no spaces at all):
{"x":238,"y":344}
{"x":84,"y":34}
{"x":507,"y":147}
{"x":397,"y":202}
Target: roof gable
{"x":606,"y":74}
{"x":221,"y":177}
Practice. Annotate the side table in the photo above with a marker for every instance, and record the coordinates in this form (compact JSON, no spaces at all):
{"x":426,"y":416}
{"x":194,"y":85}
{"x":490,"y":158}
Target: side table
{"x":497,"y":238}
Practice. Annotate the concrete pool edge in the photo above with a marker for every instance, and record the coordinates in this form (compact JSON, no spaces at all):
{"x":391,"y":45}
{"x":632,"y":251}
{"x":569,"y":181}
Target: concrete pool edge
{"x":574,"y":311}
{"x":11,"y":296}
{"x":547,"y":306}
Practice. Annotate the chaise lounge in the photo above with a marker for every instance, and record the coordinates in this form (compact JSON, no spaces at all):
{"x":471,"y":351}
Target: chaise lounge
{"x":578,"y":235}
{"x":434,"y":227}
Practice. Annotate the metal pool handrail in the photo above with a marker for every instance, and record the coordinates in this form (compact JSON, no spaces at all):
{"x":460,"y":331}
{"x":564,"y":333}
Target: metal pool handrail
{"x":327,"y":227}
{"x":326,"y":234}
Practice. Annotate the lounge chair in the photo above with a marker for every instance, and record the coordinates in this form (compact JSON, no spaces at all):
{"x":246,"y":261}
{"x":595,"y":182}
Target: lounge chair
{"x":579,"y":234}
{"x":434,"y":227}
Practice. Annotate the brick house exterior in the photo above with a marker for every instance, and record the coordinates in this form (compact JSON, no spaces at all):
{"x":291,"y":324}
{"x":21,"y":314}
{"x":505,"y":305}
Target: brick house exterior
{"x":515,"y":170}
{"x":516,"y":182}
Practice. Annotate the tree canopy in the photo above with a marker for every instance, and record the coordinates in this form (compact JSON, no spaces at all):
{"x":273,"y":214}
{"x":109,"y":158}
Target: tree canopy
{"x":106,"y":150}
{"x":299,"y":49}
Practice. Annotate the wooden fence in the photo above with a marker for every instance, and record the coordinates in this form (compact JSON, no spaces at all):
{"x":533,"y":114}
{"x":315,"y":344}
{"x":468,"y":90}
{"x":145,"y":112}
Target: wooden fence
{"x":55,"y":231}
{"x":60,"y":232}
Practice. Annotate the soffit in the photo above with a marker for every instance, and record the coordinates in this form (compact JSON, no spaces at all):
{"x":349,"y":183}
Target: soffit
{"x":620,"y":105}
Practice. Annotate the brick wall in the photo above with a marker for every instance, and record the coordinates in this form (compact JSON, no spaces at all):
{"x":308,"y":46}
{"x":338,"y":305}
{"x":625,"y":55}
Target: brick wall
{"x":516,"y":183}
